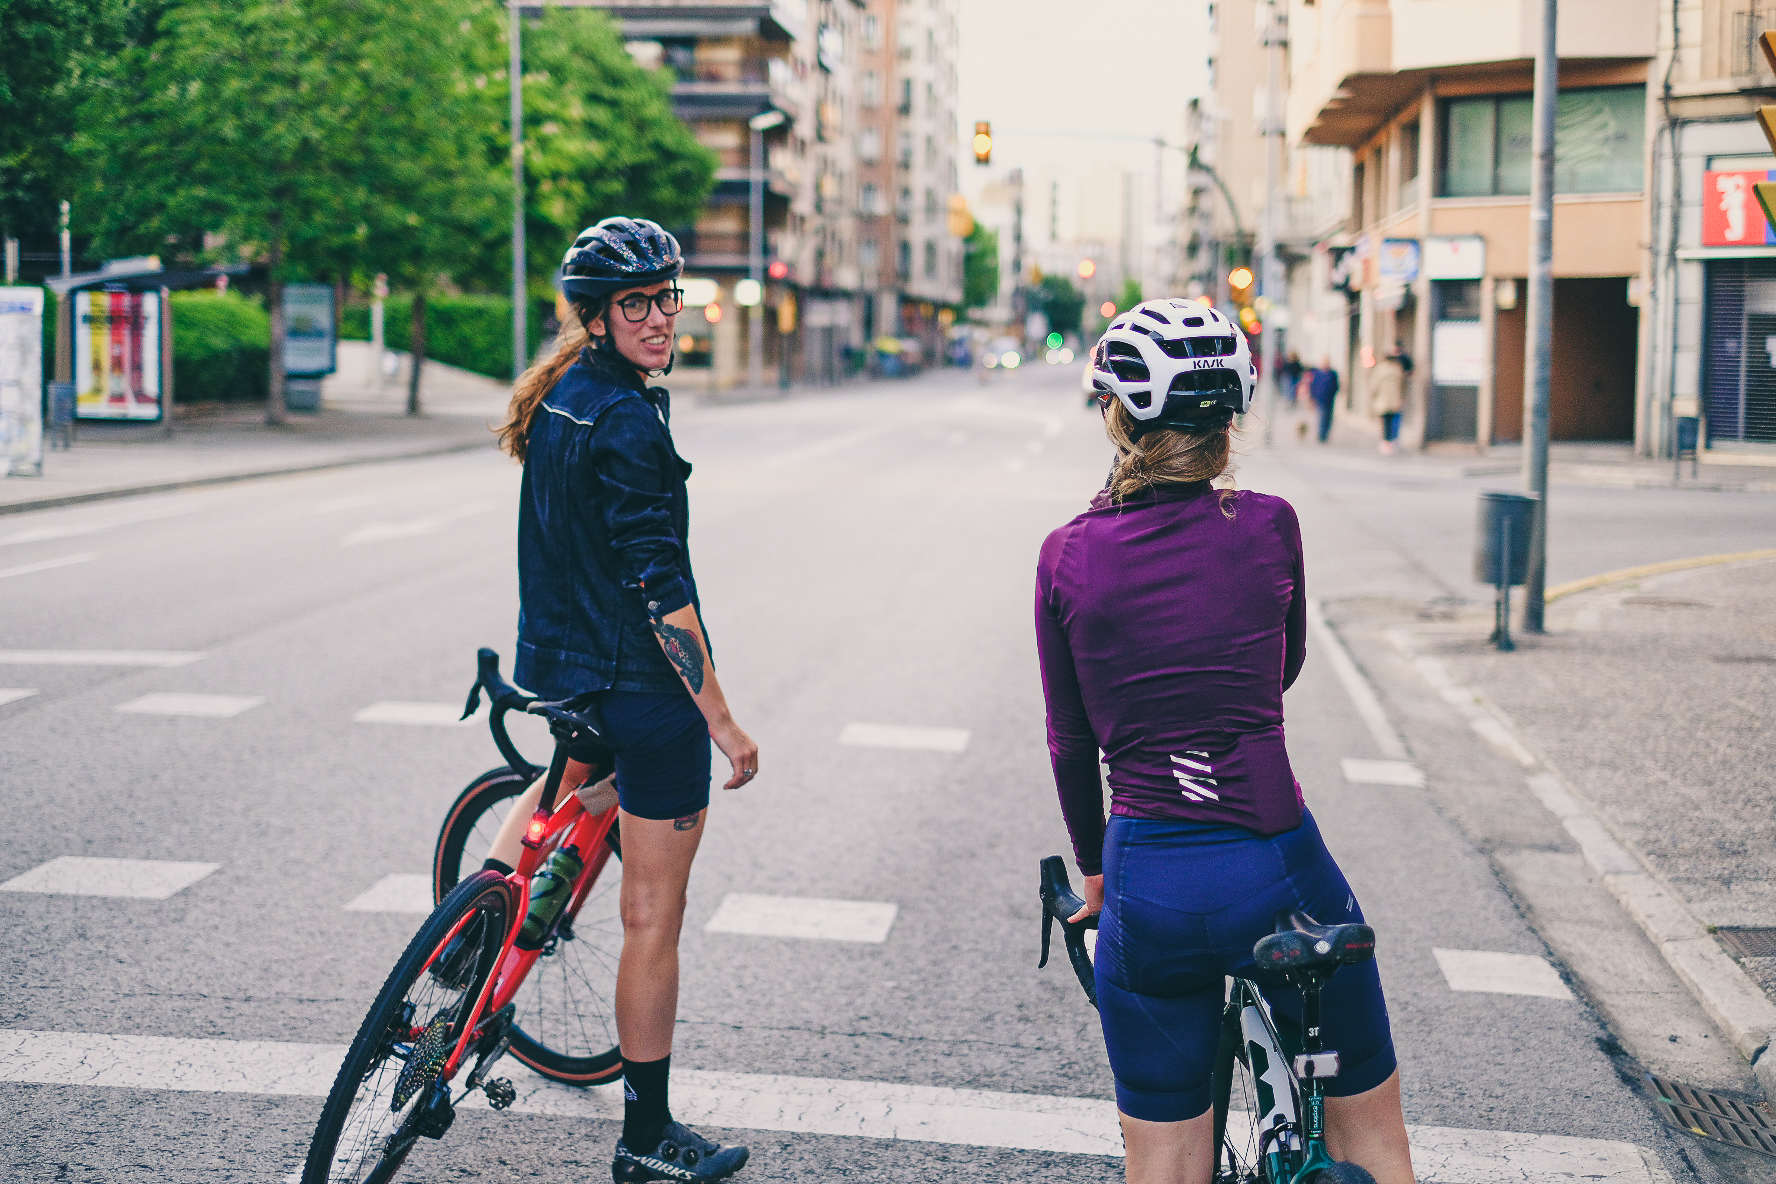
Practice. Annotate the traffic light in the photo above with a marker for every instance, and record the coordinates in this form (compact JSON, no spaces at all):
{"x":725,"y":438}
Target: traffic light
{"x":1239,"y":282}
{"x":983,"y":142}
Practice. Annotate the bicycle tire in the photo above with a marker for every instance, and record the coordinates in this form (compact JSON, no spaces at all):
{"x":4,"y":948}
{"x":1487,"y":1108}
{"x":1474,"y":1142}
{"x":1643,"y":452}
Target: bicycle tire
{"x":353,"y":1126}
{"x":1342,"y":1172}
{"x":566,"y":1027}
{"x":1250,"y":1065}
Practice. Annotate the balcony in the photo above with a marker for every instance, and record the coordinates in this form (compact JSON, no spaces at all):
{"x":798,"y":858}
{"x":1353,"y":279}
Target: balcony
{"x":773,"y":20}
{"x":735,"y":89}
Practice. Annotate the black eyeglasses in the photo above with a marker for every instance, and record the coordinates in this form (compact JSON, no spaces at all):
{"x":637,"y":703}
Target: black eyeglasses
{"x":635,"y":308}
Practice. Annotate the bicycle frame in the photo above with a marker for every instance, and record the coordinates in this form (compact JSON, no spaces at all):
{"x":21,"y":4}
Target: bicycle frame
{"x":1292,"y":1146}
{"x":586,"y":831}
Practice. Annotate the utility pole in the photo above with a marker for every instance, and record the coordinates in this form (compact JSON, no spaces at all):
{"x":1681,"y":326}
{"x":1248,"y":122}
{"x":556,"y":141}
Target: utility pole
{"x":520,"y":287}
{"x":1018,"y":311}
{"x":1538,"y":357}
{"x":1270,"y":281}
{"x":67,"y":244}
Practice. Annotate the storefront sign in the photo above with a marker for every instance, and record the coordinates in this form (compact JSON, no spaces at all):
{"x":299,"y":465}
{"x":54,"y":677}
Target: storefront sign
{"x":1730,"y":213}
{"x":117,"y":355}
{"x":21,"y":382}
{"x":1398,"y":263}
{"x":1458,"y":353}
{"x":308,"y":329}
{"x":1455,"y":257}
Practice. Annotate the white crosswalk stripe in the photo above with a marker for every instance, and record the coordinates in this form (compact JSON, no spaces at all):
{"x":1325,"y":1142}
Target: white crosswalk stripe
{"x":401,"y":892}
{"x":802,"y":916}
{"x":893,"y":736}
{"x":25,"y":569}
{"x":144,"y":879}
{"x":1363,"y":772}
{"x":799,"y":1105}
{"x":424,"y":715}
{"x":14,"y":694}
{"x":1500,"y":974}
{"x":166,"y":658}
{"x":183,"y":703}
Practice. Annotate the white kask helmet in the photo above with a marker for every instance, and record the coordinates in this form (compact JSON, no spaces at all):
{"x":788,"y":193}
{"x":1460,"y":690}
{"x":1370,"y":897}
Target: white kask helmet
{"x":1175,"y":364}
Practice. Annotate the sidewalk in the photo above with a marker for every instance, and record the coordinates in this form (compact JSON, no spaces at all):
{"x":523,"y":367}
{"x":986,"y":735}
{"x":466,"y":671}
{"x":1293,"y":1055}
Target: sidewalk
{"x":218,"y":443}
{"x":1641,"y":721}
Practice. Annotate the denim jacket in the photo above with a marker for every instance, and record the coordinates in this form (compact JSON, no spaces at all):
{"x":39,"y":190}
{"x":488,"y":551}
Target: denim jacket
{"x":602,"y":524}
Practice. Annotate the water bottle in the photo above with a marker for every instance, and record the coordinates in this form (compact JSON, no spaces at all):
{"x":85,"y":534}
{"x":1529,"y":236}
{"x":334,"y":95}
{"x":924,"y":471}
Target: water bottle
{"x":549,"y":891}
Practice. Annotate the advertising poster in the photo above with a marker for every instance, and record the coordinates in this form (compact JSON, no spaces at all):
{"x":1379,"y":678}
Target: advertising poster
{"x":117,"y":355}
{"x":308,"y":329}
{"x":21,"y":382}
{"x":1730,"y":213}
{"x":1398,"y":263}
{"x":1455,"y":257}
{"x":1458,"y":353}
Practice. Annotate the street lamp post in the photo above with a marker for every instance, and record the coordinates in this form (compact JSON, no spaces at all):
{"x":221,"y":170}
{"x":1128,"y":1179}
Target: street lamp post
{"x":515,"y":74}
{"x":1270,"y":280}
{"x":1538,"y":361}
{"x":759,"y":124}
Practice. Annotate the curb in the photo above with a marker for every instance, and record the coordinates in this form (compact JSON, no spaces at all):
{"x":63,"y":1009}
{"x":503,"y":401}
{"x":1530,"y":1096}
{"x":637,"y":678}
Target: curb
{"x":1653,"y":569}
{"x":1727,"y":994}
{"x":120,"y":491}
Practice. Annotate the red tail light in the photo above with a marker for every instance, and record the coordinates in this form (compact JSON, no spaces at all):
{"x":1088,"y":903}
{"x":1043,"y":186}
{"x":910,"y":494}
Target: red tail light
{"x":533,"y":834}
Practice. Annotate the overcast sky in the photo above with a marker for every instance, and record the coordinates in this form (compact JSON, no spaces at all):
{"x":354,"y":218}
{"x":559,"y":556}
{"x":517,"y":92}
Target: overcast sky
{"x":1058,"y":78}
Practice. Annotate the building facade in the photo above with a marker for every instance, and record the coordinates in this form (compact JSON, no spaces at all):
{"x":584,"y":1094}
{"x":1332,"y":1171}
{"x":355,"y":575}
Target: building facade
{"x":846,"y":258}
{"x":1432,"y":100}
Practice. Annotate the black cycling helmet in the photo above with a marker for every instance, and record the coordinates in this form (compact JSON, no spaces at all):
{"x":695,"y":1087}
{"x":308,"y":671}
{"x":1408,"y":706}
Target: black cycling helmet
{"x":619,"y":253}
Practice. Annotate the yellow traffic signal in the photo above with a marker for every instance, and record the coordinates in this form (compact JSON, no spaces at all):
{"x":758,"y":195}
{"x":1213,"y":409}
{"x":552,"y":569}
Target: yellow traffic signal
{"x":983,"y":142}
{"x":1240,"y":280}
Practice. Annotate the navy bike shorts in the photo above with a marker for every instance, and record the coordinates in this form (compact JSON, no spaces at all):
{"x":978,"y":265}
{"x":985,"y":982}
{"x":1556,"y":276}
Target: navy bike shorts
{"x":1184,"y":903}
{"x":662,"y":745}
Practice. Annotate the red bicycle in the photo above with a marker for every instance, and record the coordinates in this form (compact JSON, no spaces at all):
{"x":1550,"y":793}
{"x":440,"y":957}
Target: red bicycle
{"x":469,"y":989}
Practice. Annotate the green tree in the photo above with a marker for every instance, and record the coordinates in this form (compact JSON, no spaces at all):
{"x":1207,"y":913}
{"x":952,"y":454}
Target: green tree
{"x":1130,"y":294}
{"x":1061,"y":303}
{"x":980,"y":267}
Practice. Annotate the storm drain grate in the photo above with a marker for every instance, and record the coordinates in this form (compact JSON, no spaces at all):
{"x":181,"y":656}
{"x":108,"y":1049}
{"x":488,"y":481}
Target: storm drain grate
{"x":1750,"y":943}
{"x":1714,"y":1116}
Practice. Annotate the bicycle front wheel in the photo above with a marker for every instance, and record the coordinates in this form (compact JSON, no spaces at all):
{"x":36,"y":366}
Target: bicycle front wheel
{"x":377,"y":1109}
{"x":566,"y":1024}
{"x":1256,"y":1101}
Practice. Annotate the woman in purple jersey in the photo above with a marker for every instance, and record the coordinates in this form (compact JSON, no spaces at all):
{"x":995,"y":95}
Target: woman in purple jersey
{"x":1170,"y":618}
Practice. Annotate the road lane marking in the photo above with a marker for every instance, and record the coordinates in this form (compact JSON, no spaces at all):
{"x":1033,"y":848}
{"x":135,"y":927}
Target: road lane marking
{"x":182,"y":703}
{"x":1500,"y":974}
{"x":1363,"y":772}
{"x":803,"y":916}
{"x":424,"y":715}
{"x":44,"y":534}
{"x":1362,"y":695}
{"x":796,"y":1105}
{"x":143,"y":879}
{"x":166,"y":658}
{"x":833,"y":444}
{"x":14,"y":694}
{"x":25,"y":569}
{"x":400,"y":892}
{"x":377,"y":532}
{"x":894,"y":736}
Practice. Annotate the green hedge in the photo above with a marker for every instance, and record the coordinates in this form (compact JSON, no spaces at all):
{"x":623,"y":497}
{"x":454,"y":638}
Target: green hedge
{"x":221,"y":347}
{"x":474,"y":332}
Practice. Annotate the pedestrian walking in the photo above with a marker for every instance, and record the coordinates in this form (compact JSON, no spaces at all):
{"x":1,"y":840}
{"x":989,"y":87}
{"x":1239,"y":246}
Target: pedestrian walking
{"x":1289,"y":375}
{"x":1323,"y":388}
{"x":1387,"y":396}
{"x":1196,"y":596}
{"x":608,"y":616}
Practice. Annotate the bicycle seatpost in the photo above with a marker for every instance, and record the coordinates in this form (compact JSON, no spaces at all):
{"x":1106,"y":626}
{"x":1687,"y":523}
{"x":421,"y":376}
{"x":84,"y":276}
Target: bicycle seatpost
{"x":539,"y":821}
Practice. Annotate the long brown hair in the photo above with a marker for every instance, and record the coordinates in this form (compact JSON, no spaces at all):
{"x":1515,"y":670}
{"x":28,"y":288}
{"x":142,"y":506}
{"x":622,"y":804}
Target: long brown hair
{"x":1166,"y":457}
{"x":534,"y":385}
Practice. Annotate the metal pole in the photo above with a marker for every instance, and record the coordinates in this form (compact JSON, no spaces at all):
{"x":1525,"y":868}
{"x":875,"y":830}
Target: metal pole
{"x":755,"y":265}
{"x":515,"y":73}
{"x":67,"y":244}
{"x":1538,"y":361}
{"x":1269,"y":282}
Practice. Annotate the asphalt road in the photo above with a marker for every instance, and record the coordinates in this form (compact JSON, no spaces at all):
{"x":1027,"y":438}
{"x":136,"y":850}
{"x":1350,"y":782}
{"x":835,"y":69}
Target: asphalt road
{"x":863,"y":558}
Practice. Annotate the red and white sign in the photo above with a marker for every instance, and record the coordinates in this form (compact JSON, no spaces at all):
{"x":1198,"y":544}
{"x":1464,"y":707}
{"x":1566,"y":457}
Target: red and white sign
{"x":1731,"y":216}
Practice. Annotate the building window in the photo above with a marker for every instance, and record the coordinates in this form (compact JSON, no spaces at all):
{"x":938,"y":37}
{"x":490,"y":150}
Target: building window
{"x":869,"y":200}
{"x":1408,"y":149}
{"x":872,"y":32}
{"x":906,"y":96}
{"x":905,"y":261}
{"x":931,"y":205}
{"x":1598,"y":141}
{"x":906,"y":150}
{"x":870,"y":92}
{"x":930,"y":260}
{"x":866,"y":254}
{"x":1358,"y":176}
{"x":869,"y":145}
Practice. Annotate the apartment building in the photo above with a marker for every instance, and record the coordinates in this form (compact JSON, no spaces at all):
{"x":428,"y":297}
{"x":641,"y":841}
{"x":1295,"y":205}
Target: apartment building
{"x":1432,"y":99}
{"x":906,"y":151}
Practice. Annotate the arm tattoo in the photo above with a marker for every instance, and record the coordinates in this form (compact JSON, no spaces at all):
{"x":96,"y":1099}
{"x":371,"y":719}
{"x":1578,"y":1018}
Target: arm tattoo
{"x":684,"y":651}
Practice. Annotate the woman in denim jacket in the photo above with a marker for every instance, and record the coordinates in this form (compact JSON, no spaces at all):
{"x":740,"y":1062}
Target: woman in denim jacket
{"x":608,"y":604}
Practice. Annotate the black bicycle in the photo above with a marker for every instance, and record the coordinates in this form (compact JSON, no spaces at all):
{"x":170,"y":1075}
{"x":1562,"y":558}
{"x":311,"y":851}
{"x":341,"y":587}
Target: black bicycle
{"x":1269,"y":1105}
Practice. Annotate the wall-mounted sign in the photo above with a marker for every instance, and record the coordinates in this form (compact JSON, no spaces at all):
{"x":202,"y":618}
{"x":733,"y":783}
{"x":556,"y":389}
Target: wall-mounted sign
{"x":1730,"y":213}
{"x":308,"y":329}
{"x":1458,"y":353}
{"x":1398,"y":261}
{"x":117,"y":355}
{"x":21,"y":382}
{"x":1455,"y":257}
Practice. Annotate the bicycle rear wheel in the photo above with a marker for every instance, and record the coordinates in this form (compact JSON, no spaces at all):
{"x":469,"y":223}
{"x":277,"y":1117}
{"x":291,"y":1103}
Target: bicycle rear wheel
{"x":1253,"y":1092}
{"x":566,"y":1026}
{"x":385,"y":1096}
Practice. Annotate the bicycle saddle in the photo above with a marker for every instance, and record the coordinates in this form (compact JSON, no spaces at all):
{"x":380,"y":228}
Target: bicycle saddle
{"x":571,"y":719}
{"x":1301,"y":943}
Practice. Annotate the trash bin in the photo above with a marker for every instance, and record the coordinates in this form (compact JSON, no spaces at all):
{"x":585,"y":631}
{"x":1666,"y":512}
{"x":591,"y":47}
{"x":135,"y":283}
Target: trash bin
{"x":1501,"y":542}
{"x":61,"y":415}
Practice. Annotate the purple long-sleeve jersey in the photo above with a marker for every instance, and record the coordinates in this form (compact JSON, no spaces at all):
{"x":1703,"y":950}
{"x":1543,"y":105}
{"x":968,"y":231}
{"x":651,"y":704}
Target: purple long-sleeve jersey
{"x":1168,"y":632}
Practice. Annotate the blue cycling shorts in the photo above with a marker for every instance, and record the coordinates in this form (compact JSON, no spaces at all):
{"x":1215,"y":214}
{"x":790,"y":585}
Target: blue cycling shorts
{"x":662,"y":746}
{"x":1184,"y":903}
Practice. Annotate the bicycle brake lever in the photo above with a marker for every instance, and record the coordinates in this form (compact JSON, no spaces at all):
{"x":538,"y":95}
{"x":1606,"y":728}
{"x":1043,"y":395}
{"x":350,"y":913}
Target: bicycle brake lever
{"x":474,"y":703}
{"x":1048,"y":920}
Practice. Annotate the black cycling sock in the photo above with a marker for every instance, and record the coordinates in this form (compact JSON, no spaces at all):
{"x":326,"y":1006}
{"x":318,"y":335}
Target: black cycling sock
{"x":645,"y":1114}
{"x":494,"y":865}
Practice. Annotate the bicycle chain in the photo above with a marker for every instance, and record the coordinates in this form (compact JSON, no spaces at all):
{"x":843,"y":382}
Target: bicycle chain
{"x":426,"y":1060}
